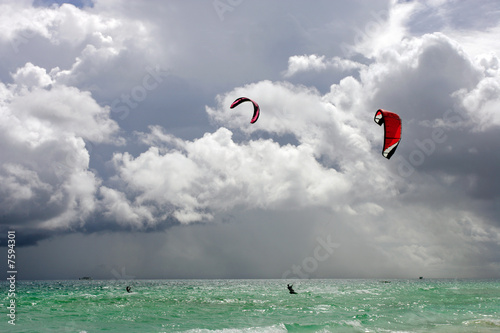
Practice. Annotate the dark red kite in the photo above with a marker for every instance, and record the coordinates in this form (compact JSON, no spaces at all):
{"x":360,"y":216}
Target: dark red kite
{"x":256,"y":109}
{"x":392,"y":131}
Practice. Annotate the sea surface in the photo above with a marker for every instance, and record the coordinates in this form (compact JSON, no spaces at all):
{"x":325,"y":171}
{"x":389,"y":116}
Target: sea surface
{"x":253,"y":306}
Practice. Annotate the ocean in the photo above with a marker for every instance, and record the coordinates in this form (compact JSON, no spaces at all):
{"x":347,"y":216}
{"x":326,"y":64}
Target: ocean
{"x":425,"y":305}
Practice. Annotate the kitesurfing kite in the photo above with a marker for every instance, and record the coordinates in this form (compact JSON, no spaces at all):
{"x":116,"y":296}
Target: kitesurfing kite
{"x":256,"y":109}
{"x":392,"y":131}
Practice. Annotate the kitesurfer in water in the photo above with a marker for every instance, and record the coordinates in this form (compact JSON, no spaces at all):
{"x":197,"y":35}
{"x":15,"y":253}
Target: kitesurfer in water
{"x":128,"y":289}
{"x":290,"y":289}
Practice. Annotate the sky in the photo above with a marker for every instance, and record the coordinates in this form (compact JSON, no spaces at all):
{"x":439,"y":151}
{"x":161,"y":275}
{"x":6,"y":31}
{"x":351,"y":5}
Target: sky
{"x":121,"y":159}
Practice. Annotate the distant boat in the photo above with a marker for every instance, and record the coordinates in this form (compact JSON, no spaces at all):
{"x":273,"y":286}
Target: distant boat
{"x":85,"y":278}
{"x":421,"y":277}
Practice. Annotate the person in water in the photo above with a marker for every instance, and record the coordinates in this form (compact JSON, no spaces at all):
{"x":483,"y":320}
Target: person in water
{"x":290,"y":289}
{"x":128,"y":289}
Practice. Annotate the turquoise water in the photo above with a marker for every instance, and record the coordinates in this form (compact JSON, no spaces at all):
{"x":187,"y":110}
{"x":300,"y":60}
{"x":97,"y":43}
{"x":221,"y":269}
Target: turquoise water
{"x":254,"y":306}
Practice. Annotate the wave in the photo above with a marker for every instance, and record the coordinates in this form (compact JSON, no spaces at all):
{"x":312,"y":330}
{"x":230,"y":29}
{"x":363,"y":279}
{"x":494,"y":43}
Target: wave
{"x":483,"y":322}
{"x":280,"y":328}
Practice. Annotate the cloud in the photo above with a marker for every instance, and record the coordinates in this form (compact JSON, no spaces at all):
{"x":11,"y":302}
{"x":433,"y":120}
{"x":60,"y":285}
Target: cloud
{"x":214,"y":173}
{"x":384,"y":29}
{"x":116,"y":118}
{"x":117,"y":208}
{"x":81,"y":48}
{"x":333,"y":160}
{"x":482,"y":102}
{"x":60,"y":108}
{"x":297,"y":64}
{"x":45,"y":160}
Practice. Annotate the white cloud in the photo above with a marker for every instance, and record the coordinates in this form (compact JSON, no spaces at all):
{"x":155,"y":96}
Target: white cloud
{"x":482,"y":103}
{"x":58,"y":109}
{"x":297,"y":64}
{"x":31,"y":76}
{"x":297,"y":110}
{"x":304,"y":63}
{"x":116,"y":207}
{"x":59,"y":24}
{"x":214,"y":173}
{"x":477,"y":43}
{"x":45,"y":159}
{"x":17,"y":17}
{"x":20,"y":184}
{"x":384,"y":29}
{"x":98,"y":52}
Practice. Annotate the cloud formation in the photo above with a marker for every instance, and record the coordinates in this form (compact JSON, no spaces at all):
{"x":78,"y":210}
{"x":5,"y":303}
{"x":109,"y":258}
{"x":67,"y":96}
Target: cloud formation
{"x":94,"y":136}
{"x":47,"y":183}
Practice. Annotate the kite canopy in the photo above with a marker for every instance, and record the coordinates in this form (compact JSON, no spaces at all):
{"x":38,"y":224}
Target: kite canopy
{"x":256,"y":109}
{"x":392,"y":131}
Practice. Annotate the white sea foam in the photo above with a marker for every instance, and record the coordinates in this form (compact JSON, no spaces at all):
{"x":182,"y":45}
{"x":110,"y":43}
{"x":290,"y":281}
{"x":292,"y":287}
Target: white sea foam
{"x":280,"y":328}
